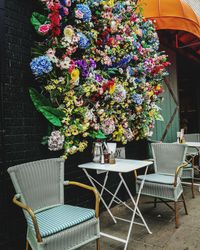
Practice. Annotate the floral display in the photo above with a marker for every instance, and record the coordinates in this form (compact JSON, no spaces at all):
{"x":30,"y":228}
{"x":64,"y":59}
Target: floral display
{"x":100,"y":72}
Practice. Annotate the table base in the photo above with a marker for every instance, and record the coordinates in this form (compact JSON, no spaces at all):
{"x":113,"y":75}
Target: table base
{"x":115,"y":199}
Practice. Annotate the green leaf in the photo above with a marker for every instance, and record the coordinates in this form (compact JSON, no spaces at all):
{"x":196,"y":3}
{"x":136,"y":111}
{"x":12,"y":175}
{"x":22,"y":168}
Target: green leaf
{"x":48,"y":113}
{"x":43,"y":105}
{"x":99,"y":135}
{"x":38,"y":99}
{"x":44,"y":140}
{"x":57,"y":112}
{"x":159,"y":118}
{"x":37,"y":20}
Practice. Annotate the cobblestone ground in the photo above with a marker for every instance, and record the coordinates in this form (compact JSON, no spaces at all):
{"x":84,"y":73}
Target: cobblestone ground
{"x":161,"y":222}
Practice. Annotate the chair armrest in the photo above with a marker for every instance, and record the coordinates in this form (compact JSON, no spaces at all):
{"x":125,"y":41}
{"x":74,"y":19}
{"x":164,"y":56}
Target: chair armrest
{"x":81,"y":185}
{"x":31,"y":213}
{"x":177,"y":172}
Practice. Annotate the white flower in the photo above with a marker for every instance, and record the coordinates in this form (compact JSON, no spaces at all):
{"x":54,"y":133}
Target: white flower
{"x":65,"y":63}
{"x":56,"y":141}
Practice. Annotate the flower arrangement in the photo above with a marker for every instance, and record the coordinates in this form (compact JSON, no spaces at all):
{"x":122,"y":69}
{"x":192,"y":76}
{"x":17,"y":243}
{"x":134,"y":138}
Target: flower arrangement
{"x":100,"y":72}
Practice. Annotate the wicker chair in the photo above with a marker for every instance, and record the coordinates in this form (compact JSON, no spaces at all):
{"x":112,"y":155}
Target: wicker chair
{"x":52,"y":225}
{"x":165,"y":183}
{"x":192,"y":153}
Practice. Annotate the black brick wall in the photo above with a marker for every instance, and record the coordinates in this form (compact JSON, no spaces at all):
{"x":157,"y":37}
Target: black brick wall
{"x":22,"y":127}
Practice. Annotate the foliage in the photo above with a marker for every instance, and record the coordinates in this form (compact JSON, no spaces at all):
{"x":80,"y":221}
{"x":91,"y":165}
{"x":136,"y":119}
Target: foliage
{"x":101,"y":72}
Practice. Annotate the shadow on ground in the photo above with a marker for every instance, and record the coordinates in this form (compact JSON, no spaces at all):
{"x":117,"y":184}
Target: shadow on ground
{"x":160,"y":221}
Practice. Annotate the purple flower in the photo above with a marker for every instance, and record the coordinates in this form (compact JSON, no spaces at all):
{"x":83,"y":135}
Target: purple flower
{"x":98,"y":78}
{"x":92,"y":63}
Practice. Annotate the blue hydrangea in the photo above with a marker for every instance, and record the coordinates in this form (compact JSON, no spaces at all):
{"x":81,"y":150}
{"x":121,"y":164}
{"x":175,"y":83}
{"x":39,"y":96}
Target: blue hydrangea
{"x":138,"y":99}
{"x":87,"y":15}
{"x":41,"y":65}
{"x":123,"y":62}
{"x":84,"y":42}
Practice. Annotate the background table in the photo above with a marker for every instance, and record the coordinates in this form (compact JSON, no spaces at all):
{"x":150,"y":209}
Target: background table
{"x":121,"y":167}
{"x":195,"y":145}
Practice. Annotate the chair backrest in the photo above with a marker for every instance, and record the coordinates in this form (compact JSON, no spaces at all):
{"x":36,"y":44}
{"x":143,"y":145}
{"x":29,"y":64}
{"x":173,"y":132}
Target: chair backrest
{"x":192,"y":137}
{"x":40,"y":183}
{"x":168,"y":156}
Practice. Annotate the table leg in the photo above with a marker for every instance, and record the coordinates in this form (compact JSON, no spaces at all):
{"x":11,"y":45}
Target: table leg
{"x":109,"y":192}
{"x":101,"y":198}
{"x":114,"y":196}
{"x":136,"y":209}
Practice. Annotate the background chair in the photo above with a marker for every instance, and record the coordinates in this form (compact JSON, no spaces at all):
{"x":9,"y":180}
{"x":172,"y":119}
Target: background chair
{"x":51,"y":225}
{"x":165,"y":183}
{"x":192,"y":154}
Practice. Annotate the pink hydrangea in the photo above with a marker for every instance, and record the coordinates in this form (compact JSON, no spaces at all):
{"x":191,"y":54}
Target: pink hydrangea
{"x":56,"y":141}
{"x":108,"y":126}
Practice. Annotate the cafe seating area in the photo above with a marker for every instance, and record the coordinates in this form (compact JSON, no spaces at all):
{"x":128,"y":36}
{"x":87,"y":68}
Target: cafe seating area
{"x":138,"y":220}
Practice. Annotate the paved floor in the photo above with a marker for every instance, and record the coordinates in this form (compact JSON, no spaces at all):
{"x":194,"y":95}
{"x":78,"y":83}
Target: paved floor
{"x":161,"y":222}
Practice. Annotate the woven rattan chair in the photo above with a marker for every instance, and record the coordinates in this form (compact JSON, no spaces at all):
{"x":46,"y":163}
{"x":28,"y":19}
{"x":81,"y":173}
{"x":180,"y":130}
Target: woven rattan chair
{"x":51,"y":224}
{"x":165,"y":183}
{"x":192,"y":153}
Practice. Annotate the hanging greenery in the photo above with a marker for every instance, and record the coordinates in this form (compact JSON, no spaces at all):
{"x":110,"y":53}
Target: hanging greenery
{"x":100,"y":72}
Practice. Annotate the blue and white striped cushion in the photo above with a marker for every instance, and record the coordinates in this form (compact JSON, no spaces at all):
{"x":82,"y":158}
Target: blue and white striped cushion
{"x":59,"y":218}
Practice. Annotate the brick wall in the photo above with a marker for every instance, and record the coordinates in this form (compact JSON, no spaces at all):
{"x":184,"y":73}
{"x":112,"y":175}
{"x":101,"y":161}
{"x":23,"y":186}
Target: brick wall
{"x":21,"y":125}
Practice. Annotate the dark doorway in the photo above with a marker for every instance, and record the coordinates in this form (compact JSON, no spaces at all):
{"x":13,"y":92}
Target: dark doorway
{"x":189,"y":94}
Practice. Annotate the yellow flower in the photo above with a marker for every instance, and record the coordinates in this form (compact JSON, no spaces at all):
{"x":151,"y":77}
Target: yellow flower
{"x":68,"y":32}
{"x":158,"y":87}
{"x":111,"y":3}
{"x":50,"y":87}
{"x":67,"y":133}
{"x":74,"y":130}
{"x":112,"y":89}
{"x":75,"y":74}
{"x":152,"y":112}
{"x":85,"y":134}
{"x":150,"y":93}
{"x":138,"y":109}
{"x":82,"y":146}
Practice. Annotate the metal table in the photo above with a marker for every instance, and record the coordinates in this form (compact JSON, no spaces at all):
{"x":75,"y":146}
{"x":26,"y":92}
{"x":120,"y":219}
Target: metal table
{"x":195,"y":145}
{"x":121,"y":167}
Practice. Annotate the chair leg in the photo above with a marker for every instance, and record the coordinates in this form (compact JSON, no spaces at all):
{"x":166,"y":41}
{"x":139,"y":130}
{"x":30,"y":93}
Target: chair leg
{"x":26,"y":244}
{"x":176,"y":214}
{"x":192,"y":184}
{"x":98,"y":244}
{"x":184,"y":203}
{"x":155,"y":202}
{"x":192,"y":187}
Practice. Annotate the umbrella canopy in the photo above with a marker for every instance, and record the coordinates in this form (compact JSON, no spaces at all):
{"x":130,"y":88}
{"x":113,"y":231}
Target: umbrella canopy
{"x":171,"y":15}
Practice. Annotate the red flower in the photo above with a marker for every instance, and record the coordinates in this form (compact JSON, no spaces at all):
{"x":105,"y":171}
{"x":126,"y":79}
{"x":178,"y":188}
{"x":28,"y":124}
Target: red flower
{"x":99,"y":42}
{"x":56,"y":31}
{"x":55,"y":18}
{"x":133,"y":18}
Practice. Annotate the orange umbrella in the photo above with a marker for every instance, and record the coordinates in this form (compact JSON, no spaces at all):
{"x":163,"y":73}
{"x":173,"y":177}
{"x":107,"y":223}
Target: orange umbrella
{"x":171,"y":15}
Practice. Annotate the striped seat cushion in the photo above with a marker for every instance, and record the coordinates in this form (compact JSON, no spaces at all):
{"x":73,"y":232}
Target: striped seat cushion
{"x":59,"y":218}
{"x":158,"y":178}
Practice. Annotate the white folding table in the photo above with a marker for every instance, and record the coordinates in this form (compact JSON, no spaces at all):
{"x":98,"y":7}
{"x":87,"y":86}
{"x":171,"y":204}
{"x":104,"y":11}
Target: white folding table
{"x":122,"y":166}
{"x":195,"y":145}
